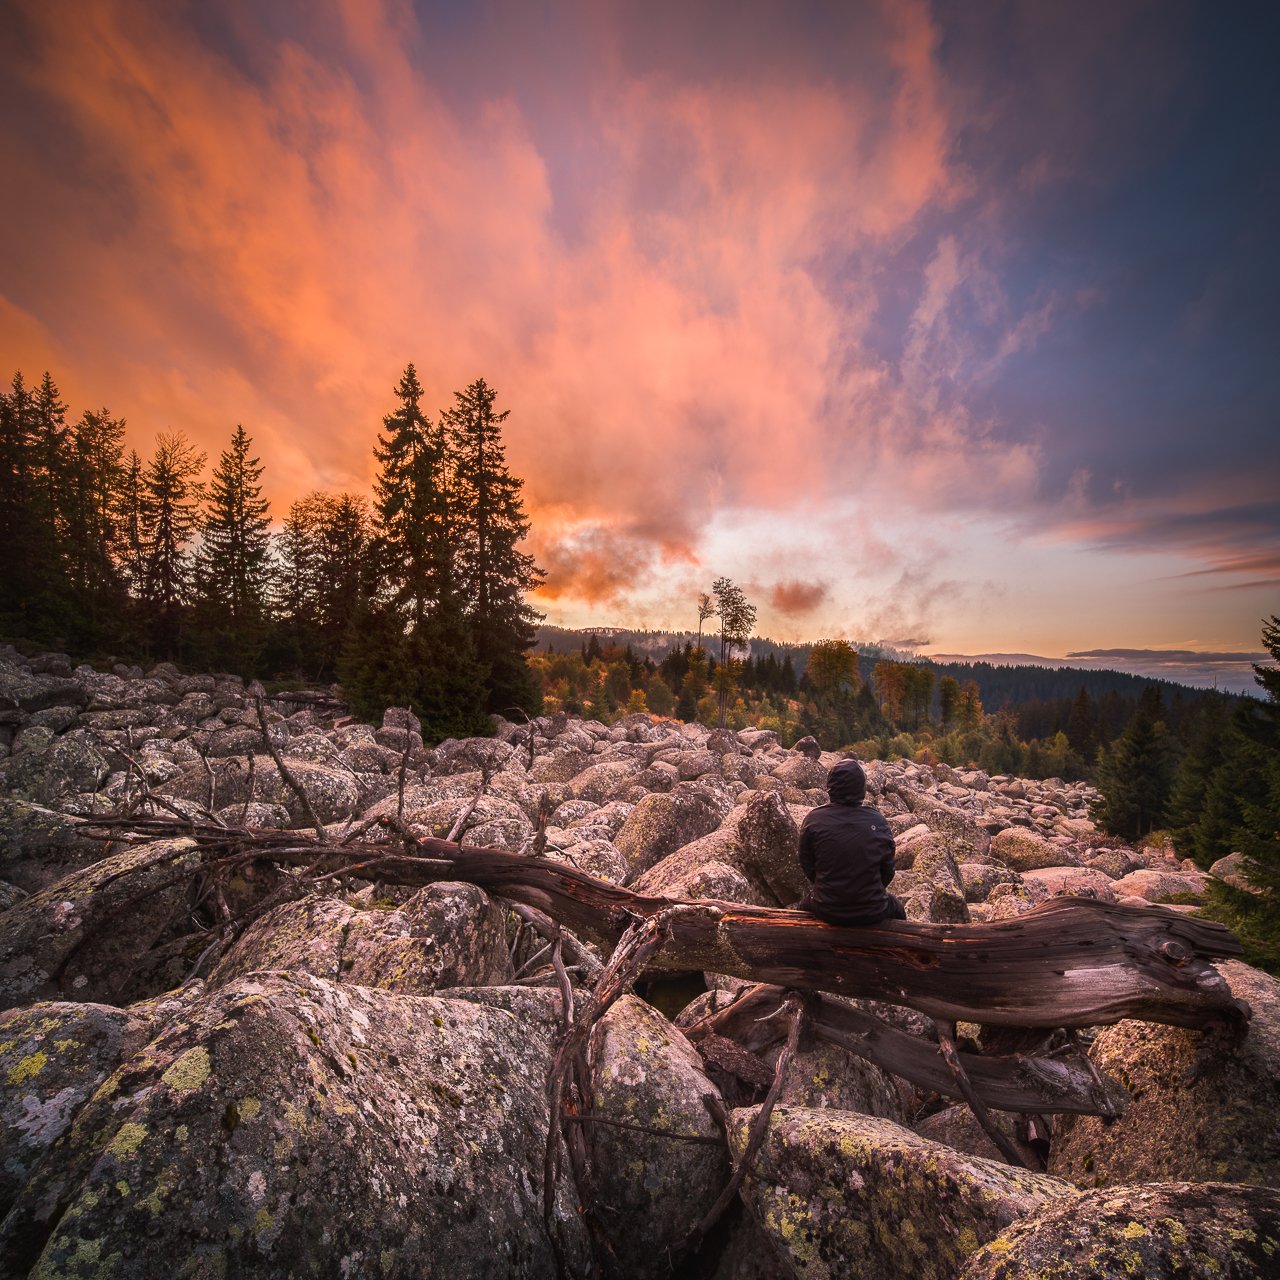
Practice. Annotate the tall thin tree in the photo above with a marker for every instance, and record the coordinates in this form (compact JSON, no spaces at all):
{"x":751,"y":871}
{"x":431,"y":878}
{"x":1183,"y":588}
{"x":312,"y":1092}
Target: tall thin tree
{"x":496,"y":574}
{"x":170,"y":513}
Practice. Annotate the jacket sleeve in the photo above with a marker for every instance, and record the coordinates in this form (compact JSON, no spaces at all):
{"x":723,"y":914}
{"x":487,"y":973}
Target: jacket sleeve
{"x":886,"y":864}
{"x":806,"y":852}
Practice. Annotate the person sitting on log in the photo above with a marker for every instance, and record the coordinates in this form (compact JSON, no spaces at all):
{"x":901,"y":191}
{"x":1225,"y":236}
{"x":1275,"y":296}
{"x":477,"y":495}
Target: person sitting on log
{"x":846,"y":852}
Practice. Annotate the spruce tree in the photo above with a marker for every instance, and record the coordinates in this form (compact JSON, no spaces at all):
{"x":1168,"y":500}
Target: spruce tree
{"x":1135,"y":775}
{"x":94,"y":474}
{"x":169,"y":518}
{"x":495,"y":574}
{"x":1191,"y":814}
{"x":234,"y":559}
{"x":325,"y":576}
{"x":1255,"y":912}
{"x":34,"y":600}
{"x":414,"y":645}
{"x":417,"y":544}
{"x":1082,"y":727}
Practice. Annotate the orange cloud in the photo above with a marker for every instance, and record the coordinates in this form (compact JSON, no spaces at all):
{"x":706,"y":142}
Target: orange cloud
{"x":796,"y":597}
{"x":272,"y":246}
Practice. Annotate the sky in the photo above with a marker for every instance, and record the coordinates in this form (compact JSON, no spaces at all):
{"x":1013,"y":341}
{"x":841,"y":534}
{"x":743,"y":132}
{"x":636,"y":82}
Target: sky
{"x":951,"y":325}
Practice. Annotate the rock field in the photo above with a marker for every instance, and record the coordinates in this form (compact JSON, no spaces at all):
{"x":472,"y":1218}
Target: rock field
{"x":355,"y":1086}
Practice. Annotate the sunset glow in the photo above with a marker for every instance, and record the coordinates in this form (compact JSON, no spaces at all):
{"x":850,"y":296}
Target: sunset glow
{"x":945,"y":325}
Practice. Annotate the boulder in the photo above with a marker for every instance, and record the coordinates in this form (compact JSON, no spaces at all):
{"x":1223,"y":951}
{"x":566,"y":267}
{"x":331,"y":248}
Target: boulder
{"x":769,"y":841}
{"x":562,"y":765}
{"x":1163,"y":886}
{"x":965,"y":837}
{"x":91,"y":933}
{"x":1165,"y":1231}
{"x":49,"y":770}
{"x":644,"y":1072}
{"x":1073,"y":882}
{"x":958,"y":1128}
{"x":1115,"y":863}
{"x":856,"y":1196}
{"x":53,"y":1057}
{"x":977,"y":879}
{"x":1221,"y":1126}
{"x":1024,"y":850}
{"x":292,"y":1127}
{"x":691,"y":764}
{"x":598,"y":781}
{"x":808,"y":746}
{"x":662,"y":823}
{"x":332,"y":788}
{"x":447,"y":935}
{"x":39,"y":845}
{"x":681,"y":876}
{"x":802,"y":772}
{"x":932,"y":890}
{"x":828,"y":1076}
{"x":1232,"y":869}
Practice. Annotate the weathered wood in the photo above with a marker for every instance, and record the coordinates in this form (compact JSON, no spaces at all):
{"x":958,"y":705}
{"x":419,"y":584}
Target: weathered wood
{"x":1015,"y":1083}
{"x":1071,"y":962}
{"x":951,"y":1056}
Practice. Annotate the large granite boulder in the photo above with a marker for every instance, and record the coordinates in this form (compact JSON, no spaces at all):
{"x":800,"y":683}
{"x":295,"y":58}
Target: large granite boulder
{"x":1222,"y":1126}
{"x":1163,"y":886}
{"x":1072,"y":882}
{"x":291,"y":1127}
{"x":39,"y":845}
{"x":90,"y":934}
{"x":662,"y":823}
{"x":859,"y":1197}
{"x":799,"y":771}
{"x":769,"y":842}
{"x":966,"y":837}
{"x":1163,"y":1231}
{"x":1025,"y":850}
{"x":53,"y":1057}
{"x":447,"y":935}
{"x":332,"y":789}
{"x":51,"y":770}
{"x":598,"y":782}
{"x":644,"y":1072}
{"x":932,"y":890}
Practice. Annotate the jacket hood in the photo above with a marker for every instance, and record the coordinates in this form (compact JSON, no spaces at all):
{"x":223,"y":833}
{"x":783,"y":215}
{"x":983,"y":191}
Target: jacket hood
{"x":847,"y":783}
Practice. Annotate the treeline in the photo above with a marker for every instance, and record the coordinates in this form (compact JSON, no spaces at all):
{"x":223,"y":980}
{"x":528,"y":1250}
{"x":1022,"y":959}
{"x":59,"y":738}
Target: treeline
{"x":417,"y":598}
{"x":848,"y":697}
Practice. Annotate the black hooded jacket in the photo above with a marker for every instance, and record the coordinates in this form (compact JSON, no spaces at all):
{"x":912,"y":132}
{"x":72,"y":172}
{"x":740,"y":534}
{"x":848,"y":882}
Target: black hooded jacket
{"x":846,"y":850}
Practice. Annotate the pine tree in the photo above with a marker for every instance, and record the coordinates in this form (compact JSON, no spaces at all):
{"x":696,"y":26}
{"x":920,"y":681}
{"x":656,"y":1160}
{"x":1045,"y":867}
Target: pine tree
{"x":1191,"y":815}
{"x":948,"y":700}
{"x":34,"y":598}
{"x":234,"y":559}
{"x":495,"y":574}
{"x":1255,"y":913}
{"x":93,"y":477}
{"x":169,"y":517}
{"x":1082,"y":727}
{"x":418,"y":548}
{"x":416,"y":646}
{"x":324,"y":577}
{"x":130,"y":522}
{"x":1135,"y":775}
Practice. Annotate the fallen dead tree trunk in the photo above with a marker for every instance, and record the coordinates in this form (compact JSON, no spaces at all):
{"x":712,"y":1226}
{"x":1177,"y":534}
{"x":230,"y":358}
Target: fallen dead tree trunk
{"x":1071,"y":962}
{"x":1014,"y":1082}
